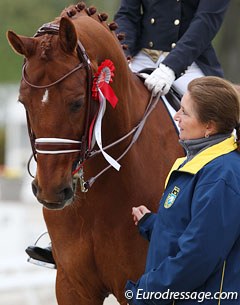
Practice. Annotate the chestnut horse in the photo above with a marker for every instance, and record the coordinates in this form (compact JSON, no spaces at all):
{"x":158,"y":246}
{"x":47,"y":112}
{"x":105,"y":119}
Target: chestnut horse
{"x":95,"y":244}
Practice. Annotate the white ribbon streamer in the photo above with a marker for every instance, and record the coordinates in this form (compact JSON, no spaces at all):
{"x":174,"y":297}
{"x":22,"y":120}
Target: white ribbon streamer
{"x":98,"y":131}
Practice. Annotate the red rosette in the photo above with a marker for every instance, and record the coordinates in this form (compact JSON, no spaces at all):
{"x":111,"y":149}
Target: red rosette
{"x":104,"y":74}
{"x":102,"y":78}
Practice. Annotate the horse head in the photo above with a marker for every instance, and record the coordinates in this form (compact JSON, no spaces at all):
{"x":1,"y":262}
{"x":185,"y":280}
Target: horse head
{"x":56,"y":92}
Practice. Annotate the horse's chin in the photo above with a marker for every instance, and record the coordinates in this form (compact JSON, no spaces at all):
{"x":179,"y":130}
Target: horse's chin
{"x":56,"y":205}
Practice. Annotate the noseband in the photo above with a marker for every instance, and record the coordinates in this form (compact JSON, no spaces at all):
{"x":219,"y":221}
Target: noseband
{"x":58,"y":145}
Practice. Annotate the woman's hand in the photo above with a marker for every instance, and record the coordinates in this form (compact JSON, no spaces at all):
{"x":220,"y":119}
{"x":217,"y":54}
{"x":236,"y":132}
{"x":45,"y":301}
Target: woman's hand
{"x":139,"y":212}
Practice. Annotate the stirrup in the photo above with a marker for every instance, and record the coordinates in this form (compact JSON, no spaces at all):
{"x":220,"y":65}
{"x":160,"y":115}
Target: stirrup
{"x":39,"y":262}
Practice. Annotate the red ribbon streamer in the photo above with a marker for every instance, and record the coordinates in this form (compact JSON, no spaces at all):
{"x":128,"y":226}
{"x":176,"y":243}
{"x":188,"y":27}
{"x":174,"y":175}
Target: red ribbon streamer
{"x":109,"y":94}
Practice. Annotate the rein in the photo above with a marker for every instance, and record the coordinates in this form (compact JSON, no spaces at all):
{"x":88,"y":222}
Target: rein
{"x":136,"y":131}
{"x":63,"y":146}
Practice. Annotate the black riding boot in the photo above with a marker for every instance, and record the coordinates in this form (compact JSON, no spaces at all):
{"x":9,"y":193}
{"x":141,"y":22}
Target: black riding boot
{"x":41,"y":256}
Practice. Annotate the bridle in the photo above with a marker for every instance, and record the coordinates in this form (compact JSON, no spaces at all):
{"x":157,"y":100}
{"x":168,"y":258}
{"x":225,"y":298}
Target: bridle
{"x":61,"y":146}
{"x":81,"y":65}
{"x":58,"y":145}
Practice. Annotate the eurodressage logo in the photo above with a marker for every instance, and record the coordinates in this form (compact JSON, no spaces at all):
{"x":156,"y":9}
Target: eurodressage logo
{"x":171,"y":197}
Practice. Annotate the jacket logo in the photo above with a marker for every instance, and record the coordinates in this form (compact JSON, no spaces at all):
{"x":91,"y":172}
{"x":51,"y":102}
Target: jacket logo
{"x":171,"y":197}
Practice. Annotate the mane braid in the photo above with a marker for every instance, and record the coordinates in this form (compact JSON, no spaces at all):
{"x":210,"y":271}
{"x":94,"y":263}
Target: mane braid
{"x":80,"y":6}
{"x":103,"y":17}
{"x":72,"y":12}
{"x":91,"y":10}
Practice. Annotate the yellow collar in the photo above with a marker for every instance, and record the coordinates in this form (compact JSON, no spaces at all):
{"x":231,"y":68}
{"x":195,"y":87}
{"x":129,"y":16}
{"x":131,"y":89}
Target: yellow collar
{"x":204,"y":157}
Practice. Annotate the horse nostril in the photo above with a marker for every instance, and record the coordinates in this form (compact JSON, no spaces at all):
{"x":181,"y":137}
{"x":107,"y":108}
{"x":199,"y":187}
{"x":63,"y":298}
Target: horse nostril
{"x":34,"y":188}
{"x":67,"y":193}
{"x":56,"y":195}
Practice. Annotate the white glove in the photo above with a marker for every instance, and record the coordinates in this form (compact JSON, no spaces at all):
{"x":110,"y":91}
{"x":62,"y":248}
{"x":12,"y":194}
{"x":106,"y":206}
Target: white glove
{"x":160,"y":80}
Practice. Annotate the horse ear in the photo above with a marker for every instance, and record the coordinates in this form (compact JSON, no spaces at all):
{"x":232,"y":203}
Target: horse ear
{"x":67,"y":35}
{"x":21,"y":44}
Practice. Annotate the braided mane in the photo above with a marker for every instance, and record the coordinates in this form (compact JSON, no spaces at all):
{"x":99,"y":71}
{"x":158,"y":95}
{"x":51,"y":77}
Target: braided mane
{"x":91,"y":11}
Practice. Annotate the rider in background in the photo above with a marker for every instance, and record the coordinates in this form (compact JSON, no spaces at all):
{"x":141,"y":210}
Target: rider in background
{"x":172,"y":36}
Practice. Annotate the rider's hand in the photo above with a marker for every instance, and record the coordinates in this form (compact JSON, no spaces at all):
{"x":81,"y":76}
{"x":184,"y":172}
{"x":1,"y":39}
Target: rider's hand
{"x":160,"y":80}
{"x":139,"y":212}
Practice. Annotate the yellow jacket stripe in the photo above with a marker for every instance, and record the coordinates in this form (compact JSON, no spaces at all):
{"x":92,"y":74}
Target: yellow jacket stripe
{"x":204,"y":157}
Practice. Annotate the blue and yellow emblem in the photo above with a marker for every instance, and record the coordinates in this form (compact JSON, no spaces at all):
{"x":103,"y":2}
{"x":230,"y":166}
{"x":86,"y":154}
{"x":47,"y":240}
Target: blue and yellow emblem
{"x":171,"y":197}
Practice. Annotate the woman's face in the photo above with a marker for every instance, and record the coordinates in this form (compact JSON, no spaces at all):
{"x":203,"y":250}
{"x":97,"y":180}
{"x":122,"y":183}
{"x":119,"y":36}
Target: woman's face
{"x":188,"y":122}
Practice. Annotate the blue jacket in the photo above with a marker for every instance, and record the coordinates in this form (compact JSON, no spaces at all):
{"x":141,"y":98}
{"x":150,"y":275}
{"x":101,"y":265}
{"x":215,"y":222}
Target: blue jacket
{"x":185,"y":28}
{"x":195,"y":236}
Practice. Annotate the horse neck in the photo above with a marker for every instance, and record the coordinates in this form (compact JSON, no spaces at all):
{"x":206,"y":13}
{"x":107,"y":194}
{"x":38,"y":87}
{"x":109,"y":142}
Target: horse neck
{"x":133,"y":99}
{"x":101,"y":44}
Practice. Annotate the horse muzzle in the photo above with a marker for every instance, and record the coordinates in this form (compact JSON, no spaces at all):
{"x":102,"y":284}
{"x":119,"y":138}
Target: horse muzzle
{"x":56,"y":199}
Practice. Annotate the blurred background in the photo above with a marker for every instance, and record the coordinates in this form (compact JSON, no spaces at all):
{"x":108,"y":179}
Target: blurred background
{"x":20,"y":215}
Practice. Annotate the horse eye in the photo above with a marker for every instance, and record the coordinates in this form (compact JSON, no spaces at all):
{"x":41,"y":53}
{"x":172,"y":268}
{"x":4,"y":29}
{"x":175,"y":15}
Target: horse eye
{"x":75,"y":106}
